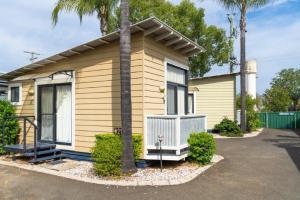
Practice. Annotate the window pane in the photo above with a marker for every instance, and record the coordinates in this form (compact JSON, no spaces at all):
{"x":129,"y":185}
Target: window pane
{"x":191,"y":103}
{"x":181,"y":100}
{"x":176,"y":75}
{"x":14,"y":93}
{"x":171,"y":101}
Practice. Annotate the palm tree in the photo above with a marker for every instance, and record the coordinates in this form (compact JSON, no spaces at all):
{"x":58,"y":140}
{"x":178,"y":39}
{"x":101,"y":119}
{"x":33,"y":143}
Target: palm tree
{"x":103,"y":8}
{"x":128,"y":165}
{"x":243,"y":6}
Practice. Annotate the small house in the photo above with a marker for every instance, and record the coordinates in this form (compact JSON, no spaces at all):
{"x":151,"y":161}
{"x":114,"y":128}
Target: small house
{"x":214,"y":96}
{"x":75,"y":94}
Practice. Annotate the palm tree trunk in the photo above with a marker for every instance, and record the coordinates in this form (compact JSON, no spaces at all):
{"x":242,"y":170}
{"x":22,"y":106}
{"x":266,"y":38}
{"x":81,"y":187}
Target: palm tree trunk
{"x":128,"y":165}
{"x":242,"y":67}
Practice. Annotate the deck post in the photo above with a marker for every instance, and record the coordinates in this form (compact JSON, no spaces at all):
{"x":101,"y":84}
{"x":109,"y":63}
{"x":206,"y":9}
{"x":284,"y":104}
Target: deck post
{"x":24,"y":134}
{"x":178,"y":129}
{"x":35,"y":145}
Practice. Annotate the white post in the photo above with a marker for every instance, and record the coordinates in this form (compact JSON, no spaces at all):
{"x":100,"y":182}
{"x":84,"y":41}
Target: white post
{"x":145,"y":137}
{"x":205,"y":123}
{"x":178,"y":129}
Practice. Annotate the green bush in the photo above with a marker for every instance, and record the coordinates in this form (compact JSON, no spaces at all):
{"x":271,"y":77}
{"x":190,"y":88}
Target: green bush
{"x":228,"y":128}
{"x":107,"y":152}
{"x":202,"y":147}
{"x":11,"y":130}
{"x":252,"y":116}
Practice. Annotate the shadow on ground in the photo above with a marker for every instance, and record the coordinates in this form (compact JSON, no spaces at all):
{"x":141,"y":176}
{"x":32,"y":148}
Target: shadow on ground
{"x":291,"y":143}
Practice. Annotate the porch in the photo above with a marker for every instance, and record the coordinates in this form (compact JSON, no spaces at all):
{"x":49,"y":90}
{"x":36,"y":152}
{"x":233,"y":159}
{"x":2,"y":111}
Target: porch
{"x":174,"y":131}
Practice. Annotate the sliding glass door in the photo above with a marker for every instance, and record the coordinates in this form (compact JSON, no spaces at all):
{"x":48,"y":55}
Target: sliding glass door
{"x":55,"y":113}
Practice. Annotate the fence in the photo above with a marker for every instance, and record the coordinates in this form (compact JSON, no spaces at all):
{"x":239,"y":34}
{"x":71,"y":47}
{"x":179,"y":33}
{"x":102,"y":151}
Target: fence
{"x":280,"y":120}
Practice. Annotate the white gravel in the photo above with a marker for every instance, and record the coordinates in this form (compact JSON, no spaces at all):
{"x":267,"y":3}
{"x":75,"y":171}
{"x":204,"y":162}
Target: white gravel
{"x":173,"y":174}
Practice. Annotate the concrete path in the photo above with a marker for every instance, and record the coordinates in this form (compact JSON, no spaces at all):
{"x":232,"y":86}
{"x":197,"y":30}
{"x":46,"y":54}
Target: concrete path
{"x":266,"y":167}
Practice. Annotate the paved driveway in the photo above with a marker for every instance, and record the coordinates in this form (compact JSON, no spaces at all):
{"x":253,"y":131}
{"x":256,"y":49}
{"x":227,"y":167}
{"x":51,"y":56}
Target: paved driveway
{"x":264,"y":167}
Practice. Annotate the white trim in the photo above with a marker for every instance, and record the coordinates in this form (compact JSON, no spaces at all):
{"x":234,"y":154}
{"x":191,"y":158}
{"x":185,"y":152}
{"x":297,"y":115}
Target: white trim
{"x":56,"y":80}
{"x":10,"y":85}
{"x":194,"y":93}
{"x":177,"y":64}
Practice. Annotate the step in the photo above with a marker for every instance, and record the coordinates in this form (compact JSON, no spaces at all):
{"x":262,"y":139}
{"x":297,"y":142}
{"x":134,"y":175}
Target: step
{"x":60,"y":156}
{"x":31,"y":154}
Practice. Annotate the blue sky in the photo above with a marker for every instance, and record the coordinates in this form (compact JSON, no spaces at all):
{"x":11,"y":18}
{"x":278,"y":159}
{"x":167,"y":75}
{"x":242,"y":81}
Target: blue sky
{"x":273,"y":37}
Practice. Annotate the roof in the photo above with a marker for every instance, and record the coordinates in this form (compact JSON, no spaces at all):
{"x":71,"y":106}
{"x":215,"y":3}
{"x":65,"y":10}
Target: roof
{"x":152,"y":26}
{"x":215,"y":76}
{"x":3,"y":83}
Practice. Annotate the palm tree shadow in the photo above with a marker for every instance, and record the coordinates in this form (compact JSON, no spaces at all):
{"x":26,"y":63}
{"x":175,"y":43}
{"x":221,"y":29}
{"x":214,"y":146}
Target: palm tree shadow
{"x":291,"y":143}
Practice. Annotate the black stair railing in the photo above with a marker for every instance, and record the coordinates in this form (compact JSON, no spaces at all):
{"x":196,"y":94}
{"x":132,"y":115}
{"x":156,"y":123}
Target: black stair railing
{"x":25,"y":120}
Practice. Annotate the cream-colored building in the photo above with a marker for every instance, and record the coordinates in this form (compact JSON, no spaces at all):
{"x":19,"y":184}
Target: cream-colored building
{"x":213,"y":96}
{"x":75,"y":94}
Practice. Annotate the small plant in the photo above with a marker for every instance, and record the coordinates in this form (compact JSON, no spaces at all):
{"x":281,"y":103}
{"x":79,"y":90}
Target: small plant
{"x":202,"y":147}
{"x":107,"y":153}
{"x":252,"y":116}
{"x":11,"y":125}
{"x":228,"y":128}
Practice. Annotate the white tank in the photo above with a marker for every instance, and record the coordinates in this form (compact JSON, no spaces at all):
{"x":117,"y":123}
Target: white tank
{"x":251,"y":70}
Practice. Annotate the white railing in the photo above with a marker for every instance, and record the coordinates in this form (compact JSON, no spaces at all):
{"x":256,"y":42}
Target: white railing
{"x":174,"y":130}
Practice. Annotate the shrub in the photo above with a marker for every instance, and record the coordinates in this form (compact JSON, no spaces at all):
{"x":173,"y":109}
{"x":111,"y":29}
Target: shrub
{"x":202,"y":147}
{"x":228,"y":128}
{"x":107,"y":153}
{"x":252,"y":116}
{"x":11,"y":130}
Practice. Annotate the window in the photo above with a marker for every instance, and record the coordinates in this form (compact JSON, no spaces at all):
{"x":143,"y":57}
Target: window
{"x":191,"y":104}
{"x":14,"y":93}
{"x":176,"y":90}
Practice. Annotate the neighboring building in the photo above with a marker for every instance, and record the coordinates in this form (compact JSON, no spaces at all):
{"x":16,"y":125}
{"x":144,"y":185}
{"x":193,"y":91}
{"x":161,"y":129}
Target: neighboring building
{"x":3,"y":89}
{"x":75,"y":95}
{"x":214,"y":96}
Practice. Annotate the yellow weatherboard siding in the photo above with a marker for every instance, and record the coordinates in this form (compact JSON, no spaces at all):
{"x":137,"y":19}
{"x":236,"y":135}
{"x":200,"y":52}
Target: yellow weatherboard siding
{"x":97,"y":87}
{"x":215,"y":98}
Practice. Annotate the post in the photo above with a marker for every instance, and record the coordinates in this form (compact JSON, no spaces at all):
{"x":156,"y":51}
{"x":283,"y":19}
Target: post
{"x":24,"y":134}
{"x":160,"y":139}
{"x":178,"y":129}
{"x":35,"y":145}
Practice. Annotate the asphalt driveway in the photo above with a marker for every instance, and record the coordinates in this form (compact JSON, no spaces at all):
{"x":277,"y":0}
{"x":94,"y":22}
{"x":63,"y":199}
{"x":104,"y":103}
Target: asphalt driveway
{"x":264,"y":167}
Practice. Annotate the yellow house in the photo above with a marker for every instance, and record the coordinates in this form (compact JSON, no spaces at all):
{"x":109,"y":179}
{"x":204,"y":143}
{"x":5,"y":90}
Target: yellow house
{"x":214,"y":96}
{"x":75,"y":94}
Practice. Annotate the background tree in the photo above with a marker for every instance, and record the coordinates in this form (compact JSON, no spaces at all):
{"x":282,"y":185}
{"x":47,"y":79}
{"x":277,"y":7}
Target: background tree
{"x":243,"y":6}
{"x":284,"y":93}
{"x":128,"y":164}
{"x":188,"y":20}
{"x":103,"y":9}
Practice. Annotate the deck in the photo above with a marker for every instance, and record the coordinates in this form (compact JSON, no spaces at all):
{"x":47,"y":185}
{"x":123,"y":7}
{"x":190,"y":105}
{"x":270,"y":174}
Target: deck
{"x":19,"y":148}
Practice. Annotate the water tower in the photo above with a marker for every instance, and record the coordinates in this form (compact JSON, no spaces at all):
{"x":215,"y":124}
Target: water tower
{"x":251,"y":70}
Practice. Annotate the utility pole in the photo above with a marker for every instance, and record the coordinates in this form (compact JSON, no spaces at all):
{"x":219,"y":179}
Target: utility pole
{"x":232,"y":37}
{"x":33,"y":55}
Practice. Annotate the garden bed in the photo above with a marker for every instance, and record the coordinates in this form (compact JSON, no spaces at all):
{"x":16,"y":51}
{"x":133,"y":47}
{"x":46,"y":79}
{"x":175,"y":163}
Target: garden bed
{"x":246,"y":135}
{"x":172,"y":174}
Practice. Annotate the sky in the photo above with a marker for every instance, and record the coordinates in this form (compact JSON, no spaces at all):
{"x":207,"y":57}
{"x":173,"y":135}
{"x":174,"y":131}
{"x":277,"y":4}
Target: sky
{"x":273,"y":34}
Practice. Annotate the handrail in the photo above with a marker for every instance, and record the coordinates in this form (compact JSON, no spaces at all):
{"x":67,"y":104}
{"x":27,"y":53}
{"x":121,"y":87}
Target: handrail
{"x":25,"y":119}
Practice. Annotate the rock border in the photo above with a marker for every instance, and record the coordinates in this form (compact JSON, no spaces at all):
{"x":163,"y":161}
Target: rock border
{"x":34,"y":168}
{"x":247,"y":135}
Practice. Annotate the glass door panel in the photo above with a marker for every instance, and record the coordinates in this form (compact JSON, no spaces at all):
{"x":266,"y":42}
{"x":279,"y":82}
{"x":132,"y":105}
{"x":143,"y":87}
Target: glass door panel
{"x":46,"y":113}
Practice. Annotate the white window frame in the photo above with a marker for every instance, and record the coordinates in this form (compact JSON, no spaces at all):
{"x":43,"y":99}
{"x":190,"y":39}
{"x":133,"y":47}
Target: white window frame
{"x":10,"y":85}
{"x":59,"y":78}
{"x":194,"y":101}
{"x":177,"y":64}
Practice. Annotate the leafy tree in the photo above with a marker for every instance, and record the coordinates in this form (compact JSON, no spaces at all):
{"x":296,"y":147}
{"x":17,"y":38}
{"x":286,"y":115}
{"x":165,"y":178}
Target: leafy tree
{"x":188,"y":20}
{"x":284,"y":92}
{"x":243,"y":6}
{"x":103,"y":9}
{"x":128,"y":165}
